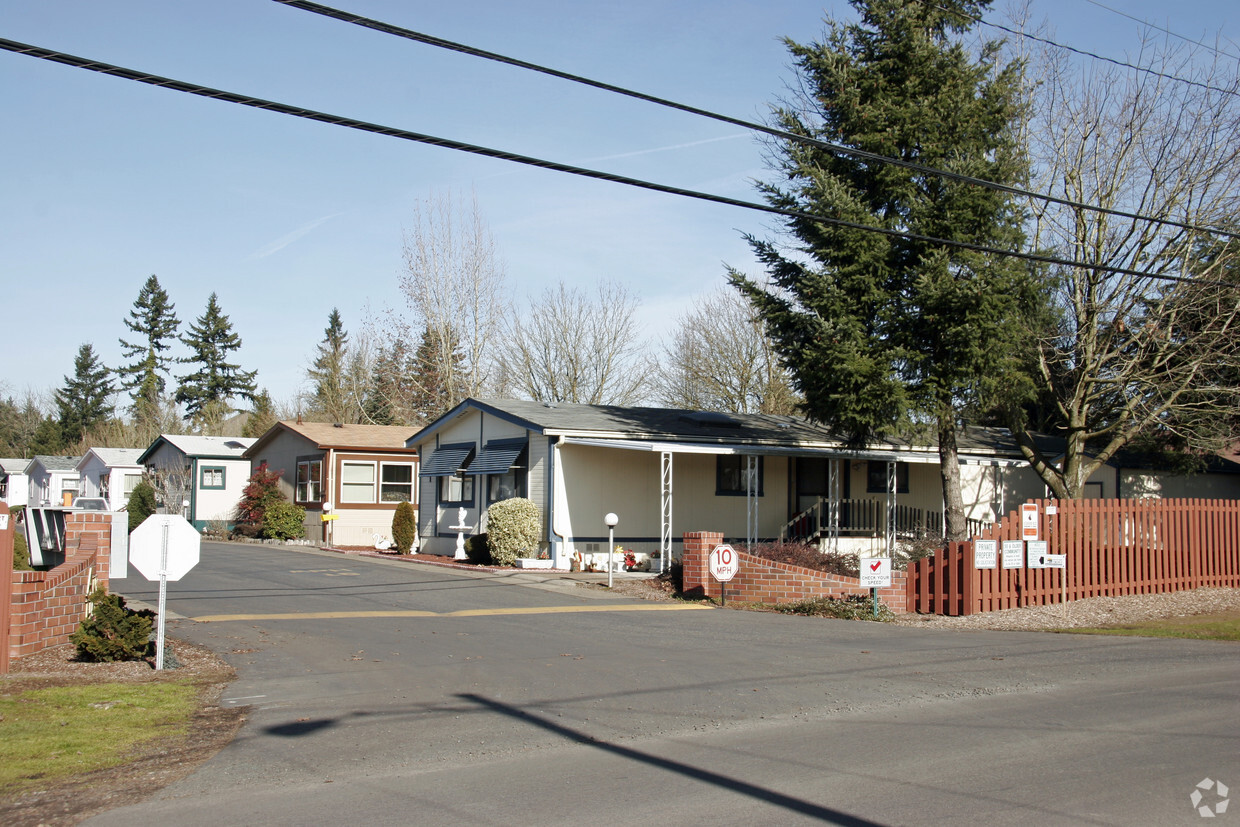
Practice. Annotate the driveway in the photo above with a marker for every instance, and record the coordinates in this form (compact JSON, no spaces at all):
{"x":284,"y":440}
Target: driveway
{"x":388,"y":693}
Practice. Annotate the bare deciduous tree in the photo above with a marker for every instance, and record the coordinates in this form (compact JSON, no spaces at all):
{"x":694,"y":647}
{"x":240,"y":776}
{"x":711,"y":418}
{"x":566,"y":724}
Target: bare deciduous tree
{"x":452,"y":284}
{"x":570,"y":346}
{"x":1128,"y":357}
{"x":719,"y":358}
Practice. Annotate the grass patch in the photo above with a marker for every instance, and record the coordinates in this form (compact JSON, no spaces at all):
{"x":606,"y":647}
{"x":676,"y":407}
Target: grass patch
{"x":56,"y":732}
{"x":1223,"y":626}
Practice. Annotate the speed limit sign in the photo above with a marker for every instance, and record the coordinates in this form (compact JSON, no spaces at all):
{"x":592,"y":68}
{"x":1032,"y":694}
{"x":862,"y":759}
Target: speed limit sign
{"x":724,"y":563}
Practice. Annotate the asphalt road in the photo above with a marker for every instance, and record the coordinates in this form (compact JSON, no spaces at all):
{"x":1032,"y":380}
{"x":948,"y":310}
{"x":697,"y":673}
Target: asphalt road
{"x":390,"y":693}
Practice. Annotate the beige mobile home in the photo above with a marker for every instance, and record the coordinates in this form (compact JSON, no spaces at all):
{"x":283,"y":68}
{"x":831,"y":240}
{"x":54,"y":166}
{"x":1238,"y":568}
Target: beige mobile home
{"x":664,"y":472}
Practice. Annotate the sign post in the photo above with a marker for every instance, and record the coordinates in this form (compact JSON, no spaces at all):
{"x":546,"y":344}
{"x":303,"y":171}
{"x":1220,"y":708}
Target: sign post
{"x":165,"y":547}
{"x":724,"y":564}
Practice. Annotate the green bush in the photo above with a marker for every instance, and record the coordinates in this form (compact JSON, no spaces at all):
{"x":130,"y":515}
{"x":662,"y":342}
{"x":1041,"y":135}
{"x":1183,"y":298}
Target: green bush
{"x":853,"y":607}
{"x":404,"y":527}
{"x":477,"y":550}
{"x":513,"y":527}
{"x":284,"y":521}
{"x":141,"y":503}
{"x":113,"y":632}
{"x":21,"y":554}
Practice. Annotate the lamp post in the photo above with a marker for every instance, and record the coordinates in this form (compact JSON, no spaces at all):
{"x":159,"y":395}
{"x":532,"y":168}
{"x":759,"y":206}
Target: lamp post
{"x":611,"y":519}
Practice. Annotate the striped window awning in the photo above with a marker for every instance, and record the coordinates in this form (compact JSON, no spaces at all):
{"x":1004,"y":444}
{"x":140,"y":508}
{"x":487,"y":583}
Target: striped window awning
{"x":496,"y":458}
{"x":448,"y":460}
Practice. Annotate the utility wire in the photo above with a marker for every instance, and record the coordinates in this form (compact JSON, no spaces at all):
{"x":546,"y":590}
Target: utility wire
{"x":838,"y":149}
{"x":503,"y":155}
{"x":1163,"y":29}
{"x":1081,"y":52}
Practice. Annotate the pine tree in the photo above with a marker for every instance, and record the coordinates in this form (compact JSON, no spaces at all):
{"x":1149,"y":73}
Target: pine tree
{"x":339,"y":375}
{"x":262,"y":415}
{"x":83,"y":401}
{"x":884,"y":331}
{"x":207,"y":392}
{"x":438,"y":366}
{"x":387,"y":390}
{"x":155,"y":324}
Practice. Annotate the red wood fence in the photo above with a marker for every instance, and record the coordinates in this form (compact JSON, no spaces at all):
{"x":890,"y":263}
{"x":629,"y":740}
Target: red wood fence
{"x":1113,"y":547}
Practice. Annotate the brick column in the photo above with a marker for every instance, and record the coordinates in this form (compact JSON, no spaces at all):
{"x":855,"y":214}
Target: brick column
{"x":696,"y":562}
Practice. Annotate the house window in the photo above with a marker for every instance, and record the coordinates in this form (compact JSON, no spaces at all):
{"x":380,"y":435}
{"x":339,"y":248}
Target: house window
{"x":732,"y":475}
{"x":309,"y":481}
{"x":456,"y":490}
{"x":131,"y":482}
{"x":506,"y":486}
{"x":396,"y":482}
{"x":876,"y":477}
{"x":68,"y":490}
{"x":104,"y":483}
{"x":212,"y":477}
{"x":357,"y":482}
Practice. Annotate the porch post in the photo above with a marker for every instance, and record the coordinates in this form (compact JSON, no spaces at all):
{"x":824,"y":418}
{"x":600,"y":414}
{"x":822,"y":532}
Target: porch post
{"x":891,"y":508}
{"x":665,"y":528}
{"x":833,"y":505}
{"x":751,"y":500}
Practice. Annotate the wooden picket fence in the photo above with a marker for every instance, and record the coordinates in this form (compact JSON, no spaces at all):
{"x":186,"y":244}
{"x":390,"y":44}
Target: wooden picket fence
{"x":1113,"y":547}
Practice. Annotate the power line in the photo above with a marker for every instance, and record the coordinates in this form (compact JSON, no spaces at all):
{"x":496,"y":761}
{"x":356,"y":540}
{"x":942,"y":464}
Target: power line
{"x":1084,"y":52}
{"x":1165,"y":30}
{"x":431,"y":40}
{"x":503,"y":155}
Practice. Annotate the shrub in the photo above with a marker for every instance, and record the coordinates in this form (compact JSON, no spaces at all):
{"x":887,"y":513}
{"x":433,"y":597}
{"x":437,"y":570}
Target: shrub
{"x":477,"y":550}
{"x":514,"y":527}
{"x":113,"y":632}
{"x":284,"y":521}
{"x":853,"y":607}
{"x":141,"y":503}
{"x":807,"y":555}
{"x":262,"y":490}
{"x":21,"y":554}
{"x":404,"y":527}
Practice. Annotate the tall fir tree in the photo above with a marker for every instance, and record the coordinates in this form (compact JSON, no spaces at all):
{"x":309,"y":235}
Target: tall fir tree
{"x":387,"y":391}
{"x":208,"y":391}
{"x":262,"y":415}
{"x":882,"y":332}
{"x":438,"y":368}
{"x":83,"y":402}
{"x":338,"y":375}
{"x":154,"y":323}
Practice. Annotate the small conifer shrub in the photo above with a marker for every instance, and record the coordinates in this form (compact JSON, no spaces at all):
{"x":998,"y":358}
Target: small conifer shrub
{"x":404,"y":527}
{"x":113,"y":632}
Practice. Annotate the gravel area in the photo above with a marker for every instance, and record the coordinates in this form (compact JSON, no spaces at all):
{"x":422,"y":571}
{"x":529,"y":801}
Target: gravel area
{"x":1091,"y":612}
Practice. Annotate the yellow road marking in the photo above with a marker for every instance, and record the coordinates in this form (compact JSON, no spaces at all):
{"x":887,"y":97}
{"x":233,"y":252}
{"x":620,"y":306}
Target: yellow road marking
{"x":533,"y":610}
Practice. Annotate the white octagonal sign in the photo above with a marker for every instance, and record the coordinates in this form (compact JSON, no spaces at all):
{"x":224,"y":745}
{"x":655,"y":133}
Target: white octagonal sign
{"x":146,"y":546}
{"x":724,"y":563}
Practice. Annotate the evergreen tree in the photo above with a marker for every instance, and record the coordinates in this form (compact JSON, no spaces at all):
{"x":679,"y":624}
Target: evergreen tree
{"x":339,"y":375}
{"x":387,"y":391}
{"x":207,"y":392}
{"x":884,"y":331}
{"x":83,"y":401}
{"x":438,"y":365}
{"x":154,"y":323}
{"x":262,"y":416}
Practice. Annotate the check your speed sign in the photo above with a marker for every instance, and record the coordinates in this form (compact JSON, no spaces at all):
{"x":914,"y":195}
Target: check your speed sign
{"x":724,"y":563}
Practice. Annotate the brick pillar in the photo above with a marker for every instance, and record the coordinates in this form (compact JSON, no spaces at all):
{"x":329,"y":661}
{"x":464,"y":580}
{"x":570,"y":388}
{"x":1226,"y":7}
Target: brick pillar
{"x":96,"y":525}
{"x":696,"y":562}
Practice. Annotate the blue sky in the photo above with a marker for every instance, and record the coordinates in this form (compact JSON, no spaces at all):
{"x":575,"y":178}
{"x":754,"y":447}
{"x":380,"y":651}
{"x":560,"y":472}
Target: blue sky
{"x":105,"y":181}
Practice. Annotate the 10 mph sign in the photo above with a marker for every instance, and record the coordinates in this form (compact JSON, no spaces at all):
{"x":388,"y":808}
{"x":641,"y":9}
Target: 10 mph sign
{"x":724,"y":563}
